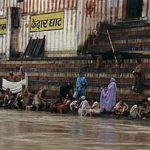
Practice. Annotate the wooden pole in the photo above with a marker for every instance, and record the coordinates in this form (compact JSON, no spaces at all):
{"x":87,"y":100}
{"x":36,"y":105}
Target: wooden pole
{"x":112,"y":47}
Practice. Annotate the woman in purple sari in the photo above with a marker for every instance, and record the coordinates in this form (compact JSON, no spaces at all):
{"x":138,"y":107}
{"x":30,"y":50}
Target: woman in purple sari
{"x":108,"y":96}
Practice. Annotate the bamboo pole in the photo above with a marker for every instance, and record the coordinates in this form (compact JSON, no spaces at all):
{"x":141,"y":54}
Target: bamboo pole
{"x":112,"y":47}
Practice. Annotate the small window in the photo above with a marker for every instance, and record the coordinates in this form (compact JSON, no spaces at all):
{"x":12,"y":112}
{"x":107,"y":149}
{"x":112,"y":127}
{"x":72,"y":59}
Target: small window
{"x":134,"y":8}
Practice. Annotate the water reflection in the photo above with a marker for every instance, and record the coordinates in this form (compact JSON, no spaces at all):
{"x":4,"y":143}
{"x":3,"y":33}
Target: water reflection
{"x":46,"y":131}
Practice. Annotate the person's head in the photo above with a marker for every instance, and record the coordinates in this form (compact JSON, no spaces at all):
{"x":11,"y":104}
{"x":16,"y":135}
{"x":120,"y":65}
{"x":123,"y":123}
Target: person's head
{"x":144,"y":101}
{"x":148,"y":99}
{"x":7,"y":90}
{"x":67,"y":96}
{"x":17,"y":68}
{"x":94,"y":100}
{"x":121,"y":102}
{"x":83,"y":98}
{"x":45,"y":90}
{"x":23,"y":86}
{"x":95,"y":32}
{"x":11,"y":73}
{"x":22,"y":71}
{"x":80,"y":73}
{"x":136,"y":106}
{"x":68,"y":83}
{"x":112,"y":80}
{"x":44,"y":87}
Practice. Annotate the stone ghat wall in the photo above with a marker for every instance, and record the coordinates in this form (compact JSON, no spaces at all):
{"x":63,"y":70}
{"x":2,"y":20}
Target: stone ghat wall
{"x":55,"y":72}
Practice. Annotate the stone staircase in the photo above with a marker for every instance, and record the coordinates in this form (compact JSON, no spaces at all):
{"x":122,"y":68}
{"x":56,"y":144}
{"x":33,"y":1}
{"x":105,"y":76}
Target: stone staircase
{"x":54,"y":72}
{"x":131,"y":39}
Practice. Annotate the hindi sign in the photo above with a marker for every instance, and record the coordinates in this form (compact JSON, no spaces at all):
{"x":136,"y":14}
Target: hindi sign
{"x":45,"y":22}
{"x":3,"y":22}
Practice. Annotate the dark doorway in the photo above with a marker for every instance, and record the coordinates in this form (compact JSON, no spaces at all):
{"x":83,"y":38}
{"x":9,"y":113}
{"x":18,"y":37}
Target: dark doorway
{"x":134,"y":8}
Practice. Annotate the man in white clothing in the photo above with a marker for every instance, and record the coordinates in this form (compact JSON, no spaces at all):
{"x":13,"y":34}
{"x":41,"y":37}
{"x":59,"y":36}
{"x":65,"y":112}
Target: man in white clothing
{"x":84,"y":107}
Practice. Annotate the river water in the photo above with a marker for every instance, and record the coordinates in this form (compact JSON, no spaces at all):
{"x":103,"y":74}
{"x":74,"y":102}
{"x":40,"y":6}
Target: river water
{"x":20,"y":130}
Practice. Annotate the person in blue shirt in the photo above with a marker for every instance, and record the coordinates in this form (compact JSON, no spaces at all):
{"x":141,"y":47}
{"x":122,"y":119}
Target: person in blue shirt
{"x":81,"y":84}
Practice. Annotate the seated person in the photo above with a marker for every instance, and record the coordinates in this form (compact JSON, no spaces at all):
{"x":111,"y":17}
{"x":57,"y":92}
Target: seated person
{"x":144,"y":108}
{"x":1,"y":97}
{"x":95,"y":109}
{"x":25,"y":97}
{"x":65,"y":105}
{"x":54,"y":104}
{"x":121,"y":108}
{"x":148,"y":103}
{"x":36,"y":102}
{"x":74,"y":105}
{"x":20,"y":74}
{"x":135,"y":111}
{"x":84,"y":107}
{"x":40,"y":99}
{"x":11,"y":77}
{"x":22,"y":98}
{"x":139,"y":110}
{"x":8,"y":98}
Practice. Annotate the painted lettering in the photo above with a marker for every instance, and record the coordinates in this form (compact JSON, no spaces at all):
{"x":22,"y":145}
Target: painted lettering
{"x":45,"y":22}
{"x":55,"y":22}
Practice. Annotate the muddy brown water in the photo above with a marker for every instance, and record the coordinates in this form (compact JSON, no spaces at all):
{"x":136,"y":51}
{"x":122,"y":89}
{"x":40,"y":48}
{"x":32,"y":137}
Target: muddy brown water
{"x":20,"y":130}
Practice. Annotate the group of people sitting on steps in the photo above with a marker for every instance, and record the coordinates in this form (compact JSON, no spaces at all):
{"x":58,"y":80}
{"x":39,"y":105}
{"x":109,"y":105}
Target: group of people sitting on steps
{"x":25,"y":100}
{"x":75,"y":100}
{"x":70,"y":100}
{"x":139,"y":110}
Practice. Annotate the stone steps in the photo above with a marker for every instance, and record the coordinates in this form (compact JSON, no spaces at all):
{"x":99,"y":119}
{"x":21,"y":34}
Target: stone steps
{"x":125,"y":38}
{"x":56,"y":72}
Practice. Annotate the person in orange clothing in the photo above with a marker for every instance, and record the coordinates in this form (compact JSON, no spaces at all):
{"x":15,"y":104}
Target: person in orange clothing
{"x":65,"y":105}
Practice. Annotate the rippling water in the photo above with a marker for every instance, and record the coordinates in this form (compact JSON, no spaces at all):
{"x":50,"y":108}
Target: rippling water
{"x":46,"y":131}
